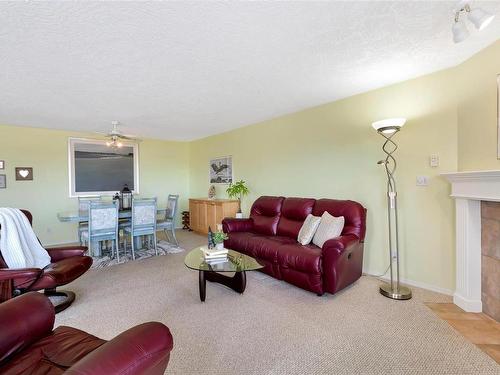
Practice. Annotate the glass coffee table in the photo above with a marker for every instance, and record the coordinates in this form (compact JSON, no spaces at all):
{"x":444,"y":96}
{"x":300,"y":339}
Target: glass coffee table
{"x":236,"y":262}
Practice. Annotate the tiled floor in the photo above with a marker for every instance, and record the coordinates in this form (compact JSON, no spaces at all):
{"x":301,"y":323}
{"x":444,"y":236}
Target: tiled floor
{"x":476,"y":327}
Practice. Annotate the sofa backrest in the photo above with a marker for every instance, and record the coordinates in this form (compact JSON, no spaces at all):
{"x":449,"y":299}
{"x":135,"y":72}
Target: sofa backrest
{"x":266,"y":213}
{"x":293,"y":213}
{"x":353,"y":213}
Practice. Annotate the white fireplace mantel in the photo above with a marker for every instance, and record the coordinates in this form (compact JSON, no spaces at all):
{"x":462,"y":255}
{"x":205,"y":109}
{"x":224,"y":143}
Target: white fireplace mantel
{"x":469,"y":189}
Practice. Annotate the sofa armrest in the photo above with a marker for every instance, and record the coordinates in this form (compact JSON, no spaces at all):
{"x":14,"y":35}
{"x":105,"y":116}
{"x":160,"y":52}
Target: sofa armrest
{"x":23,"y":277}
{"x":23,"y":321}
{"x":230,"y":224}
{"x":19,"y":273}
{"x":59,"y":253}
{"x":342,"y":260}
{"x":143,"y":349}
{"x":338,"y":245}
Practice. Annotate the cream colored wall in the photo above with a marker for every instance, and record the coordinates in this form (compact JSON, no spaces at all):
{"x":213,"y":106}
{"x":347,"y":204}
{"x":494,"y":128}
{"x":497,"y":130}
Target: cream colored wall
{"x":326,"y":151}
{"x":477,"y":110}
{"x":331,"y":151}
{"x":163,"y":168}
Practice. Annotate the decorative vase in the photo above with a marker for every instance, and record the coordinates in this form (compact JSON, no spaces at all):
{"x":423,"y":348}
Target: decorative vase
{"x":239,"y":215}
{"x":211,"y":192}
{"x":219,"y":246}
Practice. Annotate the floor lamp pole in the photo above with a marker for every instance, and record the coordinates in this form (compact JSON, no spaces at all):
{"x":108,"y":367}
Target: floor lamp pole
{"x":393,"y":290}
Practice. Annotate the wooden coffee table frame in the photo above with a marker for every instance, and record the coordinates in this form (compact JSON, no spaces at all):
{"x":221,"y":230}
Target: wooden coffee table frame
{"x":238,"y":282}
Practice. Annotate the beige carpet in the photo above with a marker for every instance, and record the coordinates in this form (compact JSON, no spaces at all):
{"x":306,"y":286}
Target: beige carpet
{"x":273,"y":328}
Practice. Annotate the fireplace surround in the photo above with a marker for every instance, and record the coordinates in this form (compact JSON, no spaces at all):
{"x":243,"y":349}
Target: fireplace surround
{"x":469,"y":189}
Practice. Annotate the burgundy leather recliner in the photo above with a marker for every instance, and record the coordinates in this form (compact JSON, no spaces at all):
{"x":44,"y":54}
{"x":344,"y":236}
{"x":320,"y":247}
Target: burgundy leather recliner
{"x":67,"y":264}
{"x":270,"y":236}
{"x":29,"y":345}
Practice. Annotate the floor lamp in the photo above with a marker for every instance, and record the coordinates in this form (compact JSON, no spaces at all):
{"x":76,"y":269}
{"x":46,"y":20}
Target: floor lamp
{"x":388,"y":128}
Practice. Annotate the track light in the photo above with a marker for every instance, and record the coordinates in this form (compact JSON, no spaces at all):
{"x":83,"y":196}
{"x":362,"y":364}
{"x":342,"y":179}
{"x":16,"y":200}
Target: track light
{"x":478,"y":17}
{"x":460,"y":32}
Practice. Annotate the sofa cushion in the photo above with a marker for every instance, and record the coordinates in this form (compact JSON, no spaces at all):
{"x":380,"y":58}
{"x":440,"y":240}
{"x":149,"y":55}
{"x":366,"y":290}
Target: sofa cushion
{"x":308,"y":229}
{"x":265,"y":213}
{"x":299,"y":257}
{"x":266,"y":247}
{"x":353,"y":213}
{"x":54,"y":353}
{"x":293,"y":213}
{"x":329,"y":227}
{"x":238,"y":241}
{"x":62,"y":272}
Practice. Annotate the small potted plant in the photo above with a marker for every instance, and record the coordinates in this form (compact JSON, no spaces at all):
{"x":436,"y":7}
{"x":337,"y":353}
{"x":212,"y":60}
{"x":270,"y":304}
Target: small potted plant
{"x":238,"y":190}
{"x":218,"y":238}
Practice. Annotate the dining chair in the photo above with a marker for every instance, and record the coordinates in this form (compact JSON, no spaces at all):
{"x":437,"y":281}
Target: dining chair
{"x":83,"y":206}
{"x":143,"y":222}
{"x":103,"y":226}
{"x":168,"y":223}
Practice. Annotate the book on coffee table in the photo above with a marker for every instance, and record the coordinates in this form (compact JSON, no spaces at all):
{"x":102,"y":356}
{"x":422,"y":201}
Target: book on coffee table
{"x":214,"y":253}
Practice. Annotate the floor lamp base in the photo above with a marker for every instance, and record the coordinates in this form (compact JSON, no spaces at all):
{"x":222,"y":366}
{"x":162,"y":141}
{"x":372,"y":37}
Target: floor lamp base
{"x":400,"y":293}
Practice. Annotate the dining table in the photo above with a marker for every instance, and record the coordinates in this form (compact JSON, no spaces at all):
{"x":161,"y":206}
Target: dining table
{"x":82,"y":216}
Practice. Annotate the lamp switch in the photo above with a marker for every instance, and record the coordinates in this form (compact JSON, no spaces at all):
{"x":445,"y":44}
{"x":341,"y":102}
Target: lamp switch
{"x":422,"y":180}
{"x":434,"y":160}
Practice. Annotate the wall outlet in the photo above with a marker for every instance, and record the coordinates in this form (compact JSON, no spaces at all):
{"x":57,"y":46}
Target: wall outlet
{"x":434,"y":160}
{"x":422,"y":180}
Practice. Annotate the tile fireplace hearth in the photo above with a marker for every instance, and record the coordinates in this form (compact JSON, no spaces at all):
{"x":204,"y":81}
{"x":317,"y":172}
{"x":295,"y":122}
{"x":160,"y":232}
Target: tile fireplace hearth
{"x":490,"y":258}
{"x":473,"y":190}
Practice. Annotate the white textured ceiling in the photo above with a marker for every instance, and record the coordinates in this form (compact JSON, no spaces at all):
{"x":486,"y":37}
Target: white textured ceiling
{"x":185,"y":70}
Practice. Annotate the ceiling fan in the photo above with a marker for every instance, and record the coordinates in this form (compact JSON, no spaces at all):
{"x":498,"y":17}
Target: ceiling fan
{"x":115,"y":136}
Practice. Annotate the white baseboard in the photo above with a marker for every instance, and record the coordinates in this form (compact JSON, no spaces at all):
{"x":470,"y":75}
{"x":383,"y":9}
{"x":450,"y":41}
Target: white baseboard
{"x":417,"y":284}
{"x":467,"y":304}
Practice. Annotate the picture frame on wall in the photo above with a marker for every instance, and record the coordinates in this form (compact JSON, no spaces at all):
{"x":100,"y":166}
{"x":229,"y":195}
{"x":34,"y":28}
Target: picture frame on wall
{"x":221,"y":170}
{"x":2,"y":164}
{"x":3,"y":181}
{"x":24,"y":173}
{"x":498,"y":116}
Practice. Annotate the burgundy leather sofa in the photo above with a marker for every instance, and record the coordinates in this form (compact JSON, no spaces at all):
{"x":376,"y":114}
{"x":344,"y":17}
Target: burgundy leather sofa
{"x":270,"y":236}
{"x":67,"y":264}
{"x":29,"y":345}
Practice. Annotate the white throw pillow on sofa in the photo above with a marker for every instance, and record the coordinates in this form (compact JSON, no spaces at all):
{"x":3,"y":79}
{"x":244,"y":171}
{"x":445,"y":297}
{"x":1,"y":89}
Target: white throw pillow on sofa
{"x":329,"y":227}
{"x":308,"y":229}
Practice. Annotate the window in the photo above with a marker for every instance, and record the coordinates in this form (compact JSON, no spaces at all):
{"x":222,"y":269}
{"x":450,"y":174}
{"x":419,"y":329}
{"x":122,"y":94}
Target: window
{"x":95,"y":168}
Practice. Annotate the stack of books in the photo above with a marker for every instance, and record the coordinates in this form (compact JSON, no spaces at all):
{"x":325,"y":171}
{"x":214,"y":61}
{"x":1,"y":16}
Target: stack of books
{"x":214,"y":256}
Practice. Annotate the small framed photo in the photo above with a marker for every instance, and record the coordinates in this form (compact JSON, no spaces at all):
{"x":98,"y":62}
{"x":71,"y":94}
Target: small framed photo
{"x":221,"y":170}
{"x":2,"y":164}
{"x":24,"y":173}
{"x":3,"y":181}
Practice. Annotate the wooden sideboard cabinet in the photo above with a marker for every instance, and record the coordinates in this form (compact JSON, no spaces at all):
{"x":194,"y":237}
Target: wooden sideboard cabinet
{"x":205,"y":212}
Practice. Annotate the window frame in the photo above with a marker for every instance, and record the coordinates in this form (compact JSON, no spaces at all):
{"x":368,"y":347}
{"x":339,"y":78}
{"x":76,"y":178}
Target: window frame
{"x":71,"y":166}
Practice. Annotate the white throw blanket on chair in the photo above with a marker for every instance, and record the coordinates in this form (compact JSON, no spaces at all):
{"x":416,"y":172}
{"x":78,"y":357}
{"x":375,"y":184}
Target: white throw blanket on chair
{"x":18,"y":243}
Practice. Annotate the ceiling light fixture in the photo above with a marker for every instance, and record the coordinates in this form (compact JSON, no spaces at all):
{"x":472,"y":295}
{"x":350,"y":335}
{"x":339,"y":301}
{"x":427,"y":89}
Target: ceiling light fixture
{"x":478,"y":17}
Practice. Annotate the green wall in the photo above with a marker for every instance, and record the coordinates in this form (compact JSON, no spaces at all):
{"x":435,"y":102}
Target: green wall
{"x":478,"y":110}
{"x":163,"y":169}
{"x":327,"y":151}
{"x":331,"y":151}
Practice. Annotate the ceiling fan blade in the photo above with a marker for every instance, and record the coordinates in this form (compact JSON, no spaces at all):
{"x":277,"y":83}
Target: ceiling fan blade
{"x":129,"y":137}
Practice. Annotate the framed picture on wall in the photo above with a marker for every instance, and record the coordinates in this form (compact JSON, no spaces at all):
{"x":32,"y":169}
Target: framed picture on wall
{"x":95,"y":168}
{"x":221,"y":170}
{"x":3,"y":181}
{"x":498,"y":116}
